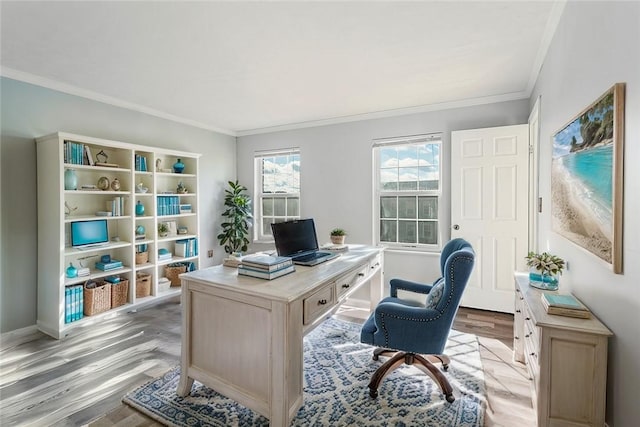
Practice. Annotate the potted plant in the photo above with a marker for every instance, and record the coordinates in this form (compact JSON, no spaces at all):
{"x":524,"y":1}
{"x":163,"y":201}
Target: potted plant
{"x":337,"y":236}
{"x":544,"y":270}
{"x":163,"y":229}
{"x":235,"y":229}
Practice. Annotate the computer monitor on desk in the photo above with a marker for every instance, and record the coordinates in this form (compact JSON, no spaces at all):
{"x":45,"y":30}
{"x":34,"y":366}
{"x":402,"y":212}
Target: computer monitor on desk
{"x":297,"y":239}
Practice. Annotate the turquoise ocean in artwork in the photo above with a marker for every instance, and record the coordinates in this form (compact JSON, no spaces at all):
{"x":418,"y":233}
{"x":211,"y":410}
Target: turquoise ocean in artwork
{"x":593,"y":168}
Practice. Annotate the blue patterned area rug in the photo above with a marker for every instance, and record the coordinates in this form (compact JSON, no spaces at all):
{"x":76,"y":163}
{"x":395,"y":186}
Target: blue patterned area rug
{"x":337,"y":370}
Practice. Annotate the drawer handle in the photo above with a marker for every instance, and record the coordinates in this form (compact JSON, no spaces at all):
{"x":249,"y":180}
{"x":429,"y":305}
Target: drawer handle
{"x":346,"y":286}
{"x":527,"y":335}
{"x":322,"y":302}
{"x":374,"y":266}
{"x":516,"y":338}
{"x":528,"y":318}
{"x":518,"y":311}
{"x":360,"y":274}
{"x":532,"y":354}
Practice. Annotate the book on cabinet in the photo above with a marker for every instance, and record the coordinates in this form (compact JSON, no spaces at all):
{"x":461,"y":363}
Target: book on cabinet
{"x":133,"y":166}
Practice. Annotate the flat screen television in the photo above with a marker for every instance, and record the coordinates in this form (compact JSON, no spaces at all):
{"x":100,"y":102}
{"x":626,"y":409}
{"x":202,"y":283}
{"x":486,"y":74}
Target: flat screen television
{"x":295,"y":237}
{"x":89,"y":233}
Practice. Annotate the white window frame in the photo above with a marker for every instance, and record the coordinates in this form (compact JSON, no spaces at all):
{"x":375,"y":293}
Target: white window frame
{"x":378,"y":192}
{"x":258,"y":215}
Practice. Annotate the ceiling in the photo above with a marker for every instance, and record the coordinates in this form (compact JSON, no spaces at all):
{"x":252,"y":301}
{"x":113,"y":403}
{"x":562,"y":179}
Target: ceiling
{"x":250,"y":67}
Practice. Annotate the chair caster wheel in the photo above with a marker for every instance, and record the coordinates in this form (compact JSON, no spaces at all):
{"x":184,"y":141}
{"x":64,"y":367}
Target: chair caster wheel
{"x":373,"y":393}
{"x":445,"y":368}
{"x":450,"y":398}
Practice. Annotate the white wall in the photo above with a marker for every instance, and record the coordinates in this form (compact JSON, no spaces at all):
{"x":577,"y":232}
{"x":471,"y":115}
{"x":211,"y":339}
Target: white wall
{"x":30,"y":111}
{"x":596,"y":45}
{"x":336,"y":171}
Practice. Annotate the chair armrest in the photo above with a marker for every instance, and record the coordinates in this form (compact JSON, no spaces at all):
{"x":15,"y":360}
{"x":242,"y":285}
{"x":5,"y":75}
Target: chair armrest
{"x":407,"y":285}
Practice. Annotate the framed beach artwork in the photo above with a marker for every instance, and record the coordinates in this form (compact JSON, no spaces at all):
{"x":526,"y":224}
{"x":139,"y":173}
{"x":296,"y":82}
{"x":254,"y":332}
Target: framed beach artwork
{"x":587,"y":179}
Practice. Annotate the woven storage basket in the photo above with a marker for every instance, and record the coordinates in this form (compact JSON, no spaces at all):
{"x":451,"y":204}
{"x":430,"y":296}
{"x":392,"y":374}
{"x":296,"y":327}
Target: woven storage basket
{"x":142,"y":257}
{"x":143,"y":285}
{"x":119,"y":293}
{"x":97,"y":300}
{"x":172,"y":273}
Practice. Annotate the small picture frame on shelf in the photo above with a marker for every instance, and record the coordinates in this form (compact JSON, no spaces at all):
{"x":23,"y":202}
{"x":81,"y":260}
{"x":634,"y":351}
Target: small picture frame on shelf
{"x":172,"y":226}
{"x":183,"y":230}
{"x":185,"y":208}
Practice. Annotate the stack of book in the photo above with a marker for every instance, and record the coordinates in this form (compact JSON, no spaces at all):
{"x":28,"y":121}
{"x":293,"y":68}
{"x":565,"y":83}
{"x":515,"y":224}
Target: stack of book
{"x":164,"y":254}
{"x":564,"y":305}
{"x":110,"y":265}
{"x":266,"y":266}
{"x":73,"y":303}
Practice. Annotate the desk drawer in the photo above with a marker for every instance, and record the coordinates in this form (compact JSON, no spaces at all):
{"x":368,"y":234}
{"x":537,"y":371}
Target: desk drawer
{"x":350,"y":280}
{"x":318,"y":303}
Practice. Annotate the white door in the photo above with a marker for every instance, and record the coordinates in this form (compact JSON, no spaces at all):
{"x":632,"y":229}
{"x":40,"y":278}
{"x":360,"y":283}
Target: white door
{"x":489,"y":208}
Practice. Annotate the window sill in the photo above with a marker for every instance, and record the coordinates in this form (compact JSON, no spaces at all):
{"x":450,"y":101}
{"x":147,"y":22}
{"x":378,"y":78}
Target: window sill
{"x":412,"y":251}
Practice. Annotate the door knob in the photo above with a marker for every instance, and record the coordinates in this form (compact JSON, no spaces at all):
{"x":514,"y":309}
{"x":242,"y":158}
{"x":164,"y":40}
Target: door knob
{"x":456,"y":227}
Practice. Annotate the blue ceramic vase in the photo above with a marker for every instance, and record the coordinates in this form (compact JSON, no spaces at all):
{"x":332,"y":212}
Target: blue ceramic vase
{"x":139,"y":208}
{"x":178,"y":166}
{"x":72,"y":271}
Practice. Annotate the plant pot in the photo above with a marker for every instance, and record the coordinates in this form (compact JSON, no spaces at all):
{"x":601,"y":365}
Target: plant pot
{"x":544,"y":281}
{"x":337,"y":240}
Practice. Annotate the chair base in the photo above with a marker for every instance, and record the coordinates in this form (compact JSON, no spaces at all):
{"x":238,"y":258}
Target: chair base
{"x":424,"y":363}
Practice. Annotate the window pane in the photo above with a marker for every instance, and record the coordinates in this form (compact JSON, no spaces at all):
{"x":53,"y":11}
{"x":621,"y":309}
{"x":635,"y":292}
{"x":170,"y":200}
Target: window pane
{"x":389,"y":179}
{"x":388,"y":207}
{"x":266,"y":226}
{"x":279,"y":206}
{"x":427,"y":207}
{"x":407,"y":207}
{"x":407,"y":155}
{"x":293,"y":206}
{"x":388,"y":157}
{"x":267,"y":206}
{"x":408,"y":178}
{"x":281,"y":174}
{"x":388,"y":231}
{"x":428,"y":232}
{"x":407,"y":232}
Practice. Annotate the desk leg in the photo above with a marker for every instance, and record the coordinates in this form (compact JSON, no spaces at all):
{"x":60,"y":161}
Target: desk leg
{"x":184,"y":386}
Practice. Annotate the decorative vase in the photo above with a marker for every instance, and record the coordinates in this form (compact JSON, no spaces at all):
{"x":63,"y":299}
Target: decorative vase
{"x":103,"y":183}
{"x":70,"y":179}
{"x":115,"y":184}
{"x":545,"y":281}
{"x":139,"y":208}
{"x":178,"y":166}
{"x":140,"y":229}
{"x":72,"y":271}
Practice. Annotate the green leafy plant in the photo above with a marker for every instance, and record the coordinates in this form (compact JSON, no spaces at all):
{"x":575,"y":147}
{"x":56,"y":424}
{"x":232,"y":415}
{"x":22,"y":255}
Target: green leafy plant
{"x":163,"y":228}
{"x":338,"y":232}
{"x":235,"y":229}
{"x":545,"y":263}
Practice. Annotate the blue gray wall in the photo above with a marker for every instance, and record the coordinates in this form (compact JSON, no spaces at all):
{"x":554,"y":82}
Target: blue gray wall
{"x":596,"y":45}
{"x":29,"y":111}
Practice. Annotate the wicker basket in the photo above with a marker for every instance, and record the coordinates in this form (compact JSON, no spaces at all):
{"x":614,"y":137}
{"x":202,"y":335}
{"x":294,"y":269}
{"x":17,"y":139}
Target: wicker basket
{"x":97,"y":300}
{"x":143,"y":285}
{"x":172,"y":272}
{"x":119,"y":293}
{"x":142,"y":257}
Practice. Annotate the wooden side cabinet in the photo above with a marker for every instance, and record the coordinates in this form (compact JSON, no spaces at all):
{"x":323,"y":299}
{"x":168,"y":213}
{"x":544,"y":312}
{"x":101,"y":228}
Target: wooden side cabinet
{"x":566,"y":359}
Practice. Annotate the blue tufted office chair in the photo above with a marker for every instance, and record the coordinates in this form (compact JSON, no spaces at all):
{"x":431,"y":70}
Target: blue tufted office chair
{"x":407,"y":330}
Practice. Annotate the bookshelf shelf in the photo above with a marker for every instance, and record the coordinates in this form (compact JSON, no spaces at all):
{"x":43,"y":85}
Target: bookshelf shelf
{"x":61,"y":151}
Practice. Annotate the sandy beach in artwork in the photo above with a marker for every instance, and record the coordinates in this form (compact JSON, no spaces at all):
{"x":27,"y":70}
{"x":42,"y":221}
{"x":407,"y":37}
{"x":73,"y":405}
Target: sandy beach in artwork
{"x":573,"y":218}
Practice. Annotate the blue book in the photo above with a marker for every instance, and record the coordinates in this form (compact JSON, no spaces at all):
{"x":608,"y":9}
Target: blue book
{"x":67,"y":305}
{"x":74,"y":309}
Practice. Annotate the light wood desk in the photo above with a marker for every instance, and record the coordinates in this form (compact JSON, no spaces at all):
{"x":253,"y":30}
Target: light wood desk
{"x":242,"y":336}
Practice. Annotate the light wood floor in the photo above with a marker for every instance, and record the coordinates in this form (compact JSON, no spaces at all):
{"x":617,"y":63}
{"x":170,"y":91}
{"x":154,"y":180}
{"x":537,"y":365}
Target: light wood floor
{"x":81,"y":380}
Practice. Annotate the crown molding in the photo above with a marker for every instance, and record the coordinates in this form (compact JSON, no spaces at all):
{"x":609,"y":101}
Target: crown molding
{"x":391,"y":113}
{"x":95,"y":96}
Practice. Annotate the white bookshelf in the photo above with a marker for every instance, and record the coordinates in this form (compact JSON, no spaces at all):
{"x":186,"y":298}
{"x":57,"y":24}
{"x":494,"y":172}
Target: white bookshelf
{"x":54,"y":249}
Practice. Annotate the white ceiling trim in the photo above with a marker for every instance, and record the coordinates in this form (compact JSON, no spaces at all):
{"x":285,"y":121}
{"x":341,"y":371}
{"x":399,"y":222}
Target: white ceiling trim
{"x":547,"y":36}
{"x":95,"y":96}
{"x":470,"y":102}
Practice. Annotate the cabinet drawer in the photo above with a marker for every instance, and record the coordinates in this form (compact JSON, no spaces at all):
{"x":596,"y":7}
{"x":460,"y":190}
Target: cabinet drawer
{"x":318,"y":303}
{"x":350,"y":280}
{"x":375,"y":263}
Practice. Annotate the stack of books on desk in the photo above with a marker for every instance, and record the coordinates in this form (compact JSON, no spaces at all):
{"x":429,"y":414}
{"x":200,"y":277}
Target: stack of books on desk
{"x":266,"y":266}
{"x":564,"y":305}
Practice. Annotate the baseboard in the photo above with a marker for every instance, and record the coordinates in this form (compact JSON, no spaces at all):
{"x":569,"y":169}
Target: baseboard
{"x":8,"y":337}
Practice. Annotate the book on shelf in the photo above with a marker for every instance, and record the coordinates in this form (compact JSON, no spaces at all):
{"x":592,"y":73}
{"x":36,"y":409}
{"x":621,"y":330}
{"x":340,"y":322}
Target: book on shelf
{"x":73,"y":303}
{"x":261,"y":274}
{"x":266,"y":262}
{"x":334,"y":248}
{"x":105,"y":266}
{"x":564,"y":305}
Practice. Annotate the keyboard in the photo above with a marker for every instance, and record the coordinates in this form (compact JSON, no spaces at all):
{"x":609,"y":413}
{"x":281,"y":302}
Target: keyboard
{"x":311,"y":257}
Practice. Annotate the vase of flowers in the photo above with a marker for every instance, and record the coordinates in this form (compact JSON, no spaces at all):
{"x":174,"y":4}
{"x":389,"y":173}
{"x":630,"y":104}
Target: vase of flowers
{"x":544,"y":270}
